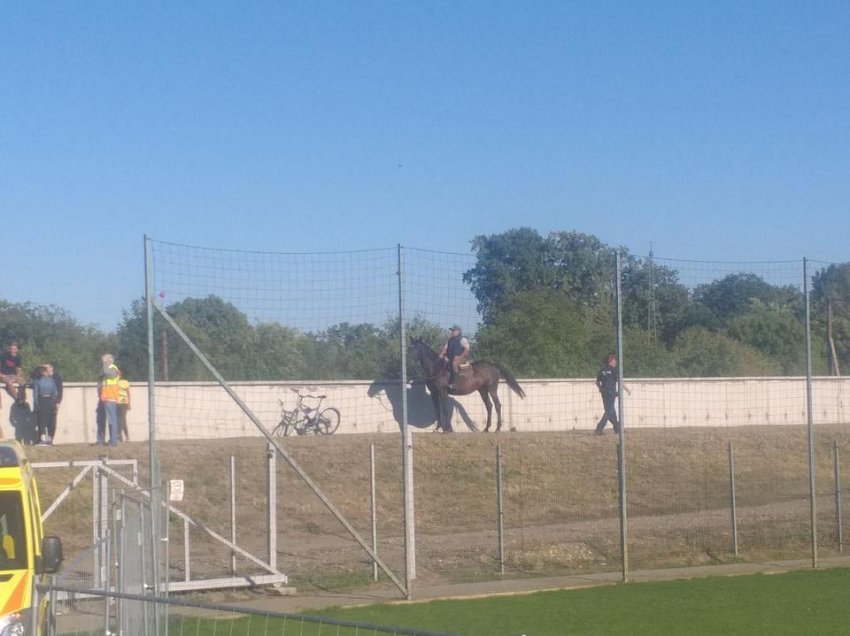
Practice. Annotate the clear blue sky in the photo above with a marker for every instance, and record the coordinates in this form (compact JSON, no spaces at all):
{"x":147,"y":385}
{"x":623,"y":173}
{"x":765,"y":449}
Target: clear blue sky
{"x":712,"y":131}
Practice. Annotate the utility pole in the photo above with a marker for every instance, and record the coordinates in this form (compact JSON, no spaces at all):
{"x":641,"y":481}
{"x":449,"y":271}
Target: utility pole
{"x":164,"y":355}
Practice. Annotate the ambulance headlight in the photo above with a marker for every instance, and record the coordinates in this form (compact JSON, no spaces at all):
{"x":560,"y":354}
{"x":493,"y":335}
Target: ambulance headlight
{"x":16,"y":624}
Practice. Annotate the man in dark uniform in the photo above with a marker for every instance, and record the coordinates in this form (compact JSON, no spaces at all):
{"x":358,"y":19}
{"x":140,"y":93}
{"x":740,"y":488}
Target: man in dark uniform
{"x":456,"y":351}
{"x":608,"y":384}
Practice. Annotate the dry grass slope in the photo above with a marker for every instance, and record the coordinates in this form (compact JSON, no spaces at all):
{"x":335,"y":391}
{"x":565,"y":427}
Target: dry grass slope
{"x":560,"y":499}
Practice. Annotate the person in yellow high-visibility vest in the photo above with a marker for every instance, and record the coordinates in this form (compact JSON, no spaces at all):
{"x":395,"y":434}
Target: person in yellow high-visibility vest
{"x":110,"y":394}
{"x":123,"y":407}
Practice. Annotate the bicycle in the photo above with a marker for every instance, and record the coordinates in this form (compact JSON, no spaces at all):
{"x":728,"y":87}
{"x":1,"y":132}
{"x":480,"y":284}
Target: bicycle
{"x":305,"y":420}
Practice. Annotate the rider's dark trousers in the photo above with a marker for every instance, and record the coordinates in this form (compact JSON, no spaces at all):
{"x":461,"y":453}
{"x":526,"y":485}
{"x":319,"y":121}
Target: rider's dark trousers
{"x":609,"y":401}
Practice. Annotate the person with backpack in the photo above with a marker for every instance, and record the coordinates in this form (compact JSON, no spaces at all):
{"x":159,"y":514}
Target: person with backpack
{"x":46,"y":397}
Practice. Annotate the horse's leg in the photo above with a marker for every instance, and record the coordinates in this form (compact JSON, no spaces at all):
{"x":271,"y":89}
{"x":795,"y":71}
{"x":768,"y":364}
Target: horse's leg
{"x":487,"y":405}
{"x":498,"y":406}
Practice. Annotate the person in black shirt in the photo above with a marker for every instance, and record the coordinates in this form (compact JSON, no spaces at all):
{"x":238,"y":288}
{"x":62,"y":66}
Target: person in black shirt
{"x":608,"y":384}
{"x":10,"y":370}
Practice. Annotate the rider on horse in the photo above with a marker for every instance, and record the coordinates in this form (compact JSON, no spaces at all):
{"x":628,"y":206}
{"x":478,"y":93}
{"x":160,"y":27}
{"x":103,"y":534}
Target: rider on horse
{"x":456,"y":351}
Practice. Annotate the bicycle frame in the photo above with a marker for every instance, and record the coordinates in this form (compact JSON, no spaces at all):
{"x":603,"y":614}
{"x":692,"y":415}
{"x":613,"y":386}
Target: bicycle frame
{"x":302,"y":418}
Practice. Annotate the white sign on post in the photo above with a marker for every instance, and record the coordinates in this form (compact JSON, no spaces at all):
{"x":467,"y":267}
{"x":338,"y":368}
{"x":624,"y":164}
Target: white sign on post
{"x":175,"y":490}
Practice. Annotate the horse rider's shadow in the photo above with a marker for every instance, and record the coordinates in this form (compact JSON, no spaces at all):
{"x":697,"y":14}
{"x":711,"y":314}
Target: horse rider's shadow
{"x":420,"y":407}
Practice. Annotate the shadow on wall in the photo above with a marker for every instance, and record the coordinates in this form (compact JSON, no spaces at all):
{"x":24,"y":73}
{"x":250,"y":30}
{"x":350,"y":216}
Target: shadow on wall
{"x":420,"y":407}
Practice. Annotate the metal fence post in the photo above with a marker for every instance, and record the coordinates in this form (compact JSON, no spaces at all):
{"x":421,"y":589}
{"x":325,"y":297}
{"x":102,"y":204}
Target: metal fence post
{"x":732,"y":503}
{"x":271,"y":485}
{"x":102,"y":523}
{"x":838,"y":522}
{"x":621,"y":446}
{"x":501,"y":509}
{"x":233,"y":513}
{"x":121,"y":547}
{"x":374,"y":510}
{"x":95,"y":495}
{"x":106,"y":582}
{"x":813,"y":510}
{"x":187,"y":558}
{"x":51,"y":608}
{"x":34,"y":613}
{"x":406,"y":444}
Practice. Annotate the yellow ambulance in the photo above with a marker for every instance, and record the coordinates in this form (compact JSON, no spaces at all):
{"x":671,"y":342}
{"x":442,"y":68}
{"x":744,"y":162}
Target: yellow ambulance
{"x":25,"y":554}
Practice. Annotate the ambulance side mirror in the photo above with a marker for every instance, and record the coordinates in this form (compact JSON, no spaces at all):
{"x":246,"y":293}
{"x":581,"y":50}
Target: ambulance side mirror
{"x":51,"y":554}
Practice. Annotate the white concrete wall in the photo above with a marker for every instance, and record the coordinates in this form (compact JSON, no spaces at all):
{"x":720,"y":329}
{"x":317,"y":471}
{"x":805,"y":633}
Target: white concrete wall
{"x":204,"y":410}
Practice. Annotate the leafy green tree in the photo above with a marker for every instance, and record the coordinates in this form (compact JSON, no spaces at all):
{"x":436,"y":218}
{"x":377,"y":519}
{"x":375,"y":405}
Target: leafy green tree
{"x":646,"y":357}
{"x":541,"y":333}
{"x":831,"y":311}
{"x":516,"y":260}
{"x":278,"y":353}
{"x":654,"y":300}
{"x":733,"y":295}
{"x":218,"y":329}
{"x":349,"y":351}
{"x":132,"y":336}
{"x":49,"y":333}
{"x":699,"y":352}
{"x":577,"y":265}
{"x":776,"y":331}
{"x":585,"y":267}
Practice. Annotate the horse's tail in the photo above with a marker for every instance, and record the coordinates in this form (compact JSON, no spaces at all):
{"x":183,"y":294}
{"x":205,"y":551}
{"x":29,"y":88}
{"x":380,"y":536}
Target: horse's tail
{"x":511,"y":381}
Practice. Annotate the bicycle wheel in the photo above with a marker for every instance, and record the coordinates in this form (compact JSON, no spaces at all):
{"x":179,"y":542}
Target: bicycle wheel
{"x":282,"y":429}
{"x":328,"y":421}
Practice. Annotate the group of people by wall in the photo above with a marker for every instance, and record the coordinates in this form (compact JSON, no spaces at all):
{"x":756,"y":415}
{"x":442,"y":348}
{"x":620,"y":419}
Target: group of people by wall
{"x":38,"y":425}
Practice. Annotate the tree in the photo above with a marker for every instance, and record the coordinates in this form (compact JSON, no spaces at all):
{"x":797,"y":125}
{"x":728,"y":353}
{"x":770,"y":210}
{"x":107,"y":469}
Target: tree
{"x":49,"y":333}
{"x":516,"y":260}
{"x":220,"y":330}
{"x":775,"y":330}
{"x":699,"y":352}
{"x":654,"y":301}
{"x":132,"y":337}
{"x":645,"y":356}
{"x":278,"y":353}
{"x":577,"y":265}
{"x":831,"y":312}
{"x":733,"y":295}
{"x":349,"y":351}
{"x":541,"y":333}
{"x":585,"y":267}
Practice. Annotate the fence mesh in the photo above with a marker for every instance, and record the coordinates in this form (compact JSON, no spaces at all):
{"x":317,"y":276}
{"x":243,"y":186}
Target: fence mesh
{"x":716,"y":414}
{"x":187,"y":617}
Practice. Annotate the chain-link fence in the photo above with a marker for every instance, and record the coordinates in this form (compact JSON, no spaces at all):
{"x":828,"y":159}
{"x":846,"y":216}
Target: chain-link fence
{"x":735,"y":440}
{"x":186,"y":617}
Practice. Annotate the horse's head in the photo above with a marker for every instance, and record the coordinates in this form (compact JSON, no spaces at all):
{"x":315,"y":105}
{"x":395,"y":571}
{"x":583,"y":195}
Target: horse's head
{"x":425,"y":354}
{"x":421,"y":348}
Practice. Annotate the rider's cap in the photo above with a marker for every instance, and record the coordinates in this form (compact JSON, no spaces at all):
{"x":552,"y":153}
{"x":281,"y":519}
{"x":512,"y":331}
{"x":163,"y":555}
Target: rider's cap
{"x":454,"y":328}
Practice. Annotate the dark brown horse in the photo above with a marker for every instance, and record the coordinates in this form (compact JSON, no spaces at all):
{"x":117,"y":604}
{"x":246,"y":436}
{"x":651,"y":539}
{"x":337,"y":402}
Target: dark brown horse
{"x":481,"y":376}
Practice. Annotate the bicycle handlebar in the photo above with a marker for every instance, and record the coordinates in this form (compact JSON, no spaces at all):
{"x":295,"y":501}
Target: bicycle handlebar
{"x":301,"y":395}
